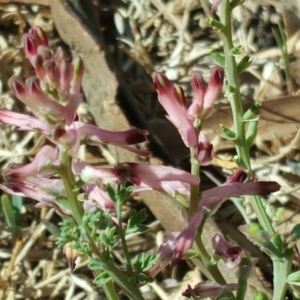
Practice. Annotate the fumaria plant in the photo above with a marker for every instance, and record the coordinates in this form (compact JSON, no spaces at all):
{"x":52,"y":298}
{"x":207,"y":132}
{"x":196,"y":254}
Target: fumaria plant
{"x":89,"y":199}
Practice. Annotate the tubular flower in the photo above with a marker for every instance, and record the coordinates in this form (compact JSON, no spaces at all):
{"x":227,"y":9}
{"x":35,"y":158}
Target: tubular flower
{"x":211,"y":201}
{"x":209,"y":289}
{"x":205,"y":152}
{"x":229,"y":253}
{"x":43,"y":159}
{"x":205,"y":95}
{"x":146,"y":177}
{"x":174,"y":104}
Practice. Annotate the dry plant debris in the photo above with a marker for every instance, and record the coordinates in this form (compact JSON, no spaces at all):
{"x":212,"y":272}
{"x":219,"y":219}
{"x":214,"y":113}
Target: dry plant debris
{"x":168,"y":36}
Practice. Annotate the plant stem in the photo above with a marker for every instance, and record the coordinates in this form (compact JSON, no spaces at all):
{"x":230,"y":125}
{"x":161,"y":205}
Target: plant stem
{"x":77,"y":213}
{"x":69,"y":183}
{"x":123,"y":241}
{"x":282,"y":268}
{"x":237,"y":109}
{"x":195,"y":195}
{"x":110,"y":291}
{"x":206,"y":260}
{"x":232,"y":77}
{"x":198,"y":244}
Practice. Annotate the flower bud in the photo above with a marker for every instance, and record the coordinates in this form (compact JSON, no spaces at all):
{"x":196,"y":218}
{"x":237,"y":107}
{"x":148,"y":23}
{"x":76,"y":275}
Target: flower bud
{"x":40,"y":36}
{"x":30,"y":48}
{"x":213,"y":90}
{"x":71,"y":255}
{"x":78,"y":69}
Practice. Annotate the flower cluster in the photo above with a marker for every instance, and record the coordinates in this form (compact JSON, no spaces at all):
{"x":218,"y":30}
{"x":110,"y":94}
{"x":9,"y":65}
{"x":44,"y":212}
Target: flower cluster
{"x":53,"y":96}
{"x":188,"y":119}
{"x":176,"y":245}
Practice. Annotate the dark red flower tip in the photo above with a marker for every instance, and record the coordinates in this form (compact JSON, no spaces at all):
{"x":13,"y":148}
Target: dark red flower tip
{"x":136,"y":136}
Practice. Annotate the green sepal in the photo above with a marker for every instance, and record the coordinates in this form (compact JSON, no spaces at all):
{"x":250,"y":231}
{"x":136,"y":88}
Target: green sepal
{"x":227,"y":133}
{"x":277,"y":241}
{"x":251,"y":113}
{"x":235,"y":3}
{"x":260,"y":296}
{"x":236,"y":50}
{"x":181,"y":199}
{"x":190,"y":254}
{"x":243,"y":64}
{"x":251,"y":133}
{"x":216,"y":24}
{"x":217,"y":58}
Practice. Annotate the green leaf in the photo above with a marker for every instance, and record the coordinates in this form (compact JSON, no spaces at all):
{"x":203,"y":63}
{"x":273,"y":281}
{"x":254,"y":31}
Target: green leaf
{"x":102,"y":278}
{"x":10,"y":215}
{"x":296,"y":231}
{"x":52,"y":228}
{"x":135,"y":220}
{"x":143,"y":278}
{"x":144,"y":262}
{"x":94,"y":264}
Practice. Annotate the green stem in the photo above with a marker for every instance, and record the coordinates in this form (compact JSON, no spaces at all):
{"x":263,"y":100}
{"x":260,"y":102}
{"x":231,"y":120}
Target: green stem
{"x":261,"y":214}
{"x":110,"y":291}
{"x":237,"y":109}
{"x":117,"y":276}
{"x":124,"y":244}
{"x":77,"y":213}
{"x":282,"y":268}
{"x":198,"y":244}
{"x":241,"y":292}
{"x":195,"y":195}
{"x":69,"y":182}
{"x":232,"y":77}
{"x":206,"y":260}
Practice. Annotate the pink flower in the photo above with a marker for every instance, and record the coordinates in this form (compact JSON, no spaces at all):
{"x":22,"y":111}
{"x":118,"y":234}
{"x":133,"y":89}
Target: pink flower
{"x":165,"y":250}
{"x":205,"y":95}
{"x":209,"y":289}
{"x":56,"y":93}
{"x":174,"y":103}
{"x":147,"y":177}
{"x":95,"y":135}
{"x":211,"y":201}
{"x":38,"y":193}
{"x":205,"y":152}
{"x":97,"y":198}
{"x":228,"y":252}
{"x":42,"y":161}
{"x":215,"y":5}
{"x":24,"y":122}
